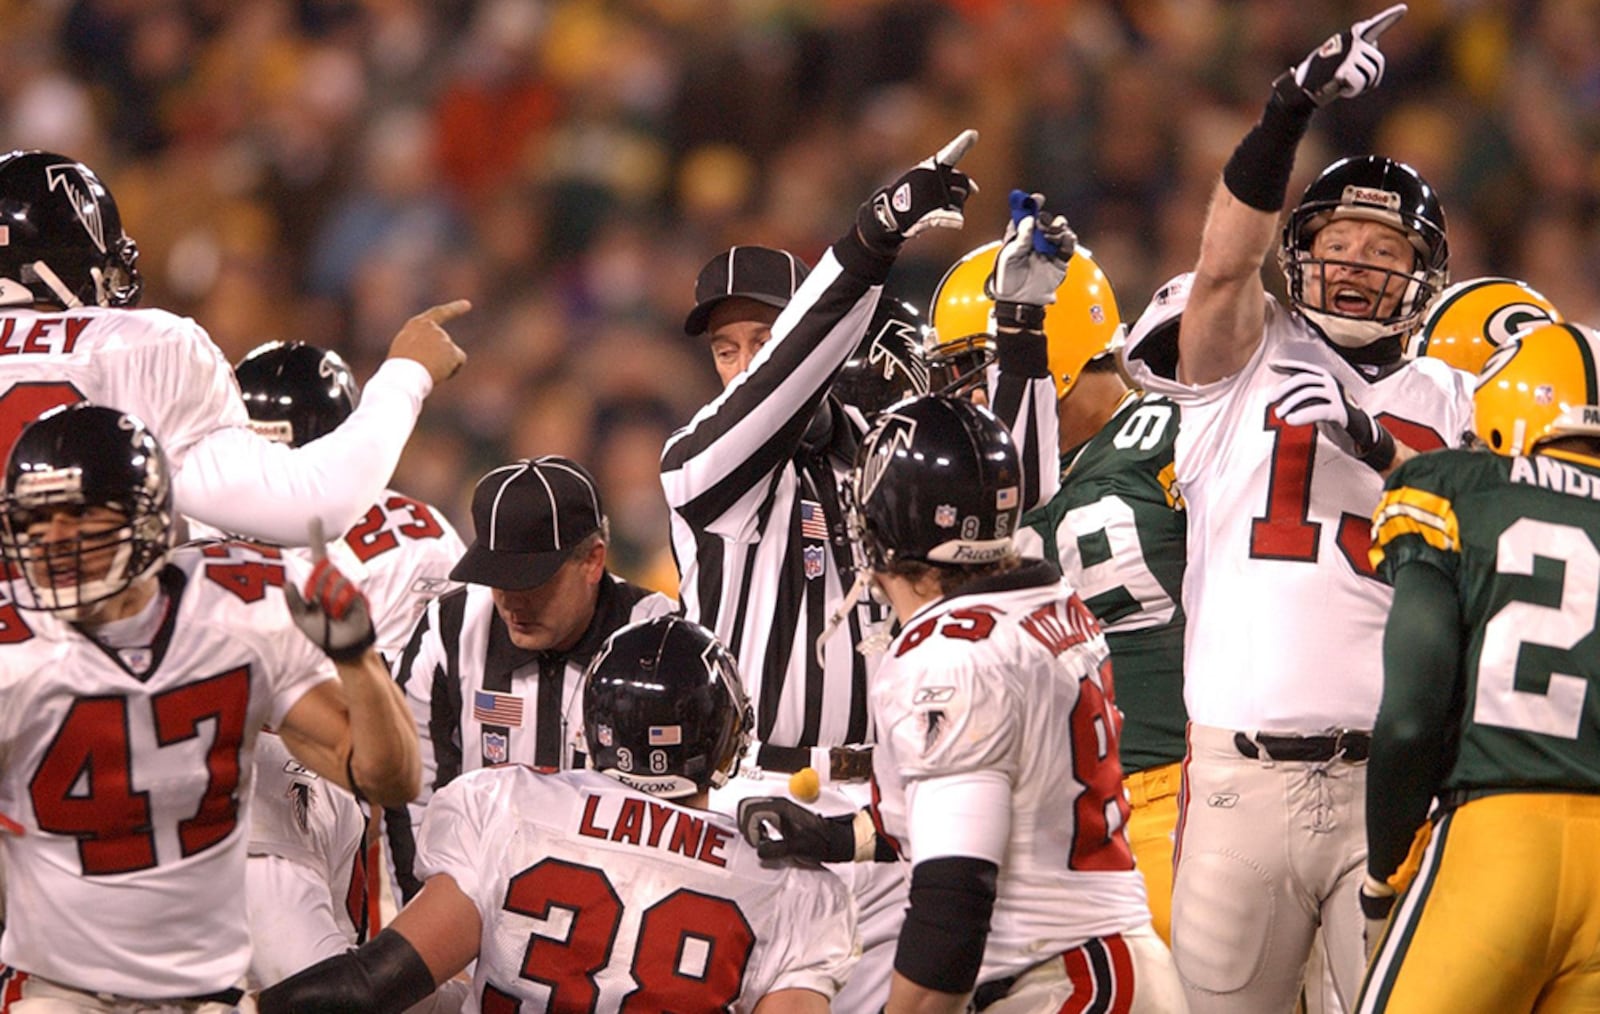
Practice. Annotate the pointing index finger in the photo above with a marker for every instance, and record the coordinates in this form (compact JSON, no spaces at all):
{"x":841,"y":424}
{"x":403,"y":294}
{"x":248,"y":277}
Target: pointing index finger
{"x":446,"y":311}
{"x":318,"y":542}
{"x":951,"y":153}
{"x":1376,"y":26}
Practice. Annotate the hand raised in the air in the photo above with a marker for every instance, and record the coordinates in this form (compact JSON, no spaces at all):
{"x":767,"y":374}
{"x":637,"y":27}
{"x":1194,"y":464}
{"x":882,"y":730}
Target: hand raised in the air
{"x":332,"y":611}
{"x":1348,"y":63}
{"x":1032,"y":260}
{"x":929,"y":195}
{"x":424,"y":340}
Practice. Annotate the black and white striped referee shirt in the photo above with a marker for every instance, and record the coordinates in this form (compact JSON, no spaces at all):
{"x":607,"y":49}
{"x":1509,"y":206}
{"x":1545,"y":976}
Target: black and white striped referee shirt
{"x":480,"y":700}
{"x":758,"y":525}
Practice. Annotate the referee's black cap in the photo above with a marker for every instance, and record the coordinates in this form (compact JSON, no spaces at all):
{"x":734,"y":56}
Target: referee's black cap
{"x":754,"y":272}
{"x":526,"y":518}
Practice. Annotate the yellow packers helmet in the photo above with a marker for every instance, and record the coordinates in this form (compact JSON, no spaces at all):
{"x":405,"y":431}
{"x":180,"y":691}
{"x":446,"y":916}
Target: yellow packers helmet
{"x":1082,"y":324}
{"x":1471,"y":319}
{"x":1538,"y":387}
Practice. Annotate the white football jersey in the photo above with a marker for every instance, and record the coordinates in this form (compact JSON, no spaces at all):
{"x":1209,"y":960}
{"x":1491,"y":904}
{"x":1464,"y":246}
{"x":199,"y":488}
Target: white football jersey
{"x":152,"y":364}
{"x":133,"y":792}
{"x":1285,"y":612}
{"x":1014,"y":678}
{"x":166,"y":371}
{"x":399,"y":554}
{"x":592,"y":893}
{"x":315,"y":905}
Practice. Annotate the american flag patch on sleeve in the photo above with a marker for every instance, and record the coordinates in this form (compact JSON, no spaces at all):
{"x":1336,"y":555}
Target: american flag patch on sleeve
{"x":497,"y":709}
{"x":813,"y":523}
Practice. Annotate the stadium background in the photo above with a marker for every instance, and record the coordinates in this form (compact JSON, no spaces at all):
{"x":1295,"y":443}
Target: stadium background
{"x":321,"y":169}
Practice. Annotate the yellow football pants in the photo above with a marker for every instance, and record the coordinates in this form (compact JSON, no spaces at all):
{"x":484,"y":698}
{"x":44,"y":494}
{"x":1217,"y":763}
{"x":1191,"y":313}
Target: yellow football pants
{"x":1503,"y":916}
{"x":1153,"y":799}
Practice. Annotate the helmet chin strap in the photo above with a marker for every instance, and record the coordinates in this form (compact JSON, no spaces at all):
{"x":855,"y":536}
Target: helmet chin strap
{"x":58,"y":287}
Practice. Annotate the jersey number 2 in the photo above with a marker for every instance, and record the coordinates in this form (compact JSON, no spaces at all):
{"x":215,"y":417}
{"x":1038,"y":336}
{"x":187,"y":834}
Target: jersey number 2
{"x":84,"y":785}
{"x":691,"y":953}
{"x":1558,"y":711}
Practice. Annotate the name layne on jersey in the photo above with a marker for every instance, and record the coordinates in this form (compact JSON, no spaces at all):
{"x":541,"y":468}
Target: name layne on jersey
{"x":592,"y":893}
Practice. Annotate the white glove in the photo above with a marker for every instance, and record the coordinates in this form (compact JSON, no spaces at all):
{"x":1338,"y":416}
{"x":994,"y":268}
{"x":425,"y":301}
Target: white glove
{"x":929,"y":195}
{"x":1032,"y":260}
{"x":1310,"y":395}
{"x":1348,"y":63}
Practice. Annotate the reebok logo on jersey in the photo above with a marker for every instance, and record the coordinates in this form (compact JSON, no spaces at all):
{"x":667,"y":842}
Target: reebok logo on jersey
{"x":933,"y":695}
{"x":1223,"y":800}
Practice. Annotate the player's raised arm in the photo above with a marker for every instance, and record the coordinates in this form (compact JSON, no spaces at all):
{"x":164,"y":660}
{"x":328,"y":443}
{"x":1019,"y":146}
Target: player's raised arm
{"x":359,"y":734}
{"x":1222,"y":324}
{"x":238,"y":482}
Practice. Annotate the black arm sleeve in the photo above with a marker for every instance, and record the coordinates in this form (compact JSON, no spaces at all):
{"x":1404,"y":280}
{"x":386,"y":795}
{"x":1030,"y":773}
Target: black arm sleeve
{"x":382,"y":975}
{"x":1412,"y":741}
{"x":947,"y":923}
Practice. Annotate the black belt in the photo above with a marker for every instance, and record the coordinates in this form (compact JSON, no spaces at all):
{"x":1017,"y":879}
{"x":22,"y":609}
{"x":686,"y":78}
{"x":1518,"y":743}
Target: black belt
{"x":1347,"y":744}
{"x":230,"y":996}
{"x":845,"y":763}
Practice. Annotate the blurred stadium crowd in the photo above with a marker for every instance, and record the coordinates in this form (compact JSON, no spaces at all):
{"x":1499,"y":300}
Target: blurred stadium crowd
{"x":322,"y":169}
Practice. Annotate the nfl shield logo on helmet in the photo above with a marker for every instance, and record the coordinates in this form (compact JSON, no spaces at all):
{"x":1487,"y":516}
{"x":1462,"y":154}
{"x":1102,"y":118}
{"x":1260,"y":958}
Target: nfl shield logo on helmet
{"x":604,"y":734}
{"x":944,"y":515}
{"x":496,"y":747}
{"x":813,"y":562}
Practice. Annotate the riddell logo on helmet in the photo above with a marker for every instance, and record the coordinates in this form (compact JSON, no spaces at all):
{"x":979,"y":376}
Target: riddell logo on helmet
{"x":1369,"y":195}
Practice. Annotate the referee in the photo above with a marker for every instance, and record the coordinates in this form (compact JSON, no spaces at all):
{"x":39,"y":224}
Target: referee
{"x":493,"y":667}
{"x":758,"y":523}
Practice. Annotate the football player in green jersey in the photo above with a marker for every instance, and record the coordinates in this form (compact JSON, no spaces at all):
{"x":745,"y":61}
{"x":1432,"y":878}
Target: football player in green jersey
{"x":1489,"y":656}
{"x":1116,"y":529}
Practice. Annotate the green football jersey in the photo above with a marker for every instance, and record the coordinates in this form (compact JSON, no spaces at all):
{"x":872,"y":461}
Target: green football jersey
{"x":1117,"y":527}
{"x":1519,"y":538}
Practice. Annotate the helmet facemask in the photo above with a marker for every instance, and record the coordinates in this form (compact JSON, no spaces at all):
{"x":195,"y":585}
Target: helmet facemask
{"x":1369,"y":189}
{"x":70,"y":577}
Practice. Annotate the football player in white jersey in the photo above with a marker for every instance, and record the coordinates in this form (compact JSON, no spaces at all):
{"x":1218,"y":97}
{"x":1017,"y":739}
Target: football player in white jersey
{"x":996,"y":773}
{"x":309,"y":863}
{"x":1291,"y":416}
{"x":612,"y":888}
{"x":135,"y":689}
{"x":69,"y":280}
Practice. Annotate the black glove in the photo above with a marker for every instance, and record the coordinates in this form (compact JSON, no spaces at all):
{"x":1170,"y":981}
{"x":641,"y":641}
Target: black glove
{"x":332,"y":613}
{"x":929,"y":195}
{"x":1377,"y":901}
{"x":780,"y":829}
{"x":1309,"y":394}
{"x":1030,"y":264}
{"x":1347,"y":64}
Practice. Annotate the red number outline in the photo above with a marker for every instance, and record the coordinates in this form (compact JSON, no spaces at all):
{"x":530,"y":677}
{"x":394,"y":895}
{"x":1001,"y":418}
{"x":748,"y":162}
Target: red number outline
{"x":113,"y":823}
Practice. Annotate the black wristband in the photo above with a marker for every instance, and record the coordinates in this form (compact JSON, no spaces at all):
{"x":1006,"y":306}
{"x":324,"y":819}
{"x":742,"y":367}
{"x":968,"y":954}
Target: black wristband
{"x":1380,"y":455}
{"x":1022,"y":316}
{"x":860,"y":260}
{"x":1374,"y":907}
{"x":1258,"y":173}
{"x":385,"y":973}
{"x":352,"y":654}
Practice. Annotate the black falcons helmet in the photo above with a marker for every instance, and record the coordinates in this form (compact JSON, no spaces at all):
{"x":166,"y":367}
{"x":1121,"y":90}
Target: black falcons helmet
{"x":61,"y":239}
{"x":296,"y":392}
{"x":889,"y":365}
{"x":78,"y":457}
{"x":938,"y":480}
{"x":663,"y":709}
{"x":1376,"y":189}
